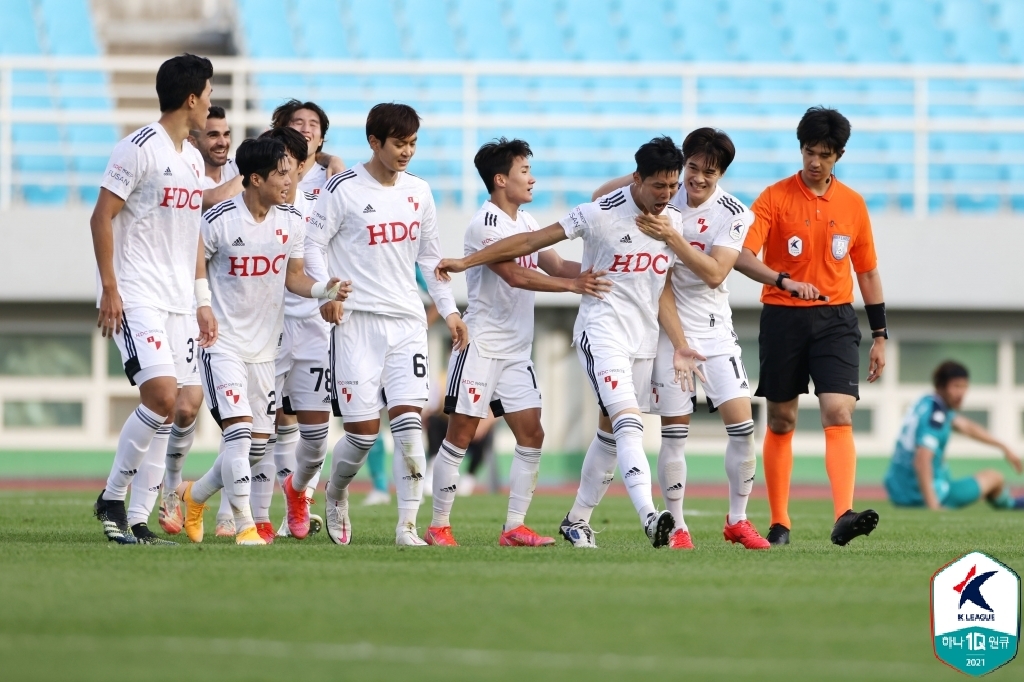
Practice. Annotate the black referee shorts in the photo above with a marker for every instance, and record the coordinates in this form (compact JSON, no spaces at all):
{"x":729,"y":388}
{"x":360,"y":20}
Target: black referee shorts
{"x":821,"y":343}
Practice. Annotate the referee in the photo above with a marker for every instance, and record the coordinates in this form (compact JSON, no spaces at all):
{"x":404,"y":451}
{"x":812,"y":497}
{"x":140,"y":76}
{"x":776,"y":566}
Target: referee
{"x":814,"y":230}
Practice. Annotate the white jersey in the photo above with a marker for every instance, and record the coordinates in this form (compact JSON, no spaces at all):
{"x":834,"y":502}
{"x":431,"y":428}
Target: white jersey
{"x":722,"y":220}
{"x":499,"y":317}
{"x":295,"y":305}
{"x":156,"y":233}
{"x":374,"y":236}
{"x":627,"y":316}
{"x":246,"y":265}
{"x":314,"y":180}
{"x":228,"y":172}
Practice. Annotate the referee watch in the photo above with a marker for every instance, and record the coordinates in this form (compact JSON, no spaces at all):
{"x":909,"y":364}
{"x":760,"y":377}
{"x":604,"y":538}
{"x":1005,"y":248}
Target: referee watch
{"x":782,"y":276}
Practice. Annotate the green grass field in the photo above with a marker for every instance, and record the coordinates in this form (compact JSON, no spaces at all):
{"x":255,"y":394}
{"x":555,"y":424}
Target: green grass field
{"x":74,"y":607}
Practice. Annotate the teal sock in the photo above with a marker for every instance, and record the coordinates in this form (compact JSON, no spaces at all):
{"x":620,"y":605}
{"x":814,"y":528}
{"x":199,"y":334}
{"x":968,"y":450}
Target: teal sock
{"x":378,"y":469}
{"x":1003,"y":500}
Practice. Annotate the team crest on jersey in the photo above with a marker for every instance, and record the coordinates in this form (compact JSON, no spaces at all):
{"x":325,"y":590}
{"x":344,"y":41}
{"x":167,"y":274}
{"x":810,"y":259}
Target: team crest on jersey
{"x":282,"y":235}
{"x":348,"y":395}
{"x":476,"y":395}
{"x":415,"y":201}
{"x":612,"y":381}
{"x":654,"y":392}
{"x":232,"y":395}
{"x":736,"y":230}
{"x":840,"y":245}
{"x":796,"y":246}
{"x":703,"y":224}
{"x":154,"y":341}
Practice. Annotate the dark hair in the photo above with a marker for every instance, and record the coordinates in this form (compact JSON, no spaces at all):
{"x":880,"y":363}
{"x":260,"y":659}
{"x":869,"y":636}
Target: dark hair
{"x":658,"y":155}
{"x":180,"y":77}
{"x":947,"y":371}
{"x":293,"y":141}
{"x":282,"y":116}
{"x":712,"y":144}
{"x":391,"y":120}
{"x":497,"y":157}
{"x":216,"y":112}
{"x":821,"y":125}
{"x":260,"y":157}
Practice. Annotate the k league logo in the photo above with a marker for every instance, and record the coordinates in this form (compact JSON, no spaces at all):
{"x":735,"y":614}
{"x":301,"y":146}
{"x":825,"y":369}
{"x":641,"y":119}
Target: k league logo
{"x":975,"y":614}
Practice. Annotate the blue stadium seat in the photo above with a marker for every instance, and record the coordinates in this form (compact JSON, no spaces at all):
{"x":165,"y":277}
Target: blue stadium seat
{"x":321,"y":32}
{"x":539,"y":34}
{"x":705,"y":36}
{"x":975,"y":39}
{"x":376,"y":34}
{"x":260,"y":24}
{"x":757,"y":42}
{"x":429,"y":33}
{"x":593,"y":36}
{"x":481,"y":29}
{"x":649,"y":36}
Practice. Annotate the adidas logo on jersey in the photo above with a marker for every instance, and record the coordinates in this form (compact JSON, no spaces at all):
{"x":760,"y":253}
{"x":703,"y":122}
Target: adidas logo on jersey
{"x":626,"y":240}
{"x":744,"y":385}
{"x":167,"y":171}
{"x":238,"y":242}
{"x":369,"y":209}
{"x":634,"y":471}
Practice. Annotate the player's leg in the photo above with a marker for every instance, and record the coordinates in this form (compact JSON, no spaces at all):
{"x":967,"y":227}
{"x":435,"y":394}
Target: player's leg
{"x":263,"y":402}
{"x":991,"y":485}
{"x":183,"y":433}
{"x":287,"y":430}
{"x":146,"y":489}
{"x":461,"y":428}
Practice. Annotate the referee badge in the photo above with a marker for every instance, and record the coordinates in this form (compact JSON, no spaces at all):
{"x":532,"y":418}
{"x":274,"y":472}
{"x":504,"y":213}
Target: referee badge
{"x":840,"y":245}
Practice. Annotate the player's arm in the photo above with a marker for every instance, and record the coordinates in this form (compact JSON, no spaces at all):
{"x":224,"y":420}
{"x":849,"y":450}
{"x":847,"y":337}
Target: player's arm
{"x":611,"y":186}
{"x":428,"y":259}
{"x":584,"y":283}
{"x":870,"y":284}
{"x":208,"y":329}
{"x":926,"y":477}
{"x":299,"y":283}
{"x":333,"y":164}
{"x":101,"y":223}
{"x":502,"y":250}
{"x":712,"y":268}
{"x":976,"y":431}
{"x":684,"y":358}
{"x":231,"y":188}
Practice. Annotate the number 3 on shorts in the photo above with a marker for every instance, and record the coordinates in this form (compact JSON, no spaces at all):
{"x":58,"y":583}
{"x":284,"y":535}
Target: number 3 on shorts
{"x":419,"y":365}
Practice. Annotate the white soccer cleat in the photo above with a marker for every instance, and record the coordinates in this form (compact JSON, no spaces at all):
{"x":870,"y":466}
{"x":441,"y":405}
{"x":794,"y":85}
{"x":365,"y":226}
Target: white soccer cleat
{"x":339,"y":528}
{"x":283,"y":531}
{"x":376,"y":498}
{"x":407,"y":536}
{"x":316,"y":524}
{"x":659,"y":527}
{"x":578,"y":533}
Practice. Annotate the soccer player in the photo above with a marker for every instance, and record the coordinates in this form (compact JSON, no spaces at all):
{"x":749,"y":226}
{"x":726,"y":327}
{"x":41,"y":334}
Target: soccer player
{"x":376,"y":223}
{"x":253,"y":250}
{"x":145,"y":231}
{"x":918,"y":475}
{"x":494,"y":373}
{"x":310,"y":120}
{"x":814,"y":230}
{"x":214,"y":143}
{"x":714,"y":226}
{"x":616,"y":337}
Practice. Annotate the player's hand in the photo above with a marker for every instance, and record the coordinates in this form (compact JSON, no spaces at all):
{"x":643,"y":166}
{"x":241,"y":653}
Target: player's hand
{"x":447,"y":266}
{"x":876,"y":360}
{"x":344,"y":289}
{"x":332,"y":311}
{"x":656,"y":226}
{"x":207,"y":326}
{"x":334,"y":165}
{"x":111,"y":312}
{"x":589,"y":283}
{"x":459,"y":330}
{"x":804,"y":291}
{"x":684,"y":362}
{"x":1014,"y":460}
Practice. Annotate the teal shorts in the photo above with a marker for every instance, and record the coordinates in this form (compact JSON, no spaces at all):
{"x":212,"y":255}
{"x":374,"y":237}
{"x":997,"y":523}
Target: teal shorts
{"x":952,"y":494}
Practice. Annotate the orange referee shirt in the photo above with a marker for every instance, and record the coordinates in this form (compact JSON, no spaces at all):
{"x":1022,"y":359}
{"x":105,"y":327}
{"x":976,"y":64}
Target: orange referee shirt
{"x":815,"y":239}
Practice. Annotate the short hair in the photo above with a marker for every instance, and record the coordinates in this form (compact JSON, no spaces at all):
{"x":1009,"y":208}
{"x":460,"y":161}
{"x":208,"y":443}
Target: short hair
{"x":292,"y":139}
{"x":497,"y":157}
{"x":821,"y":125}
{"x":658,"y":155}
{"x":180,"y":77}
{"x":947,"y":371}
{"x":260,"y":157}
{"x":712,"y":144}
{"x":389,"y":119}
{"x":282,"y":116}
{"x":216,"y":112}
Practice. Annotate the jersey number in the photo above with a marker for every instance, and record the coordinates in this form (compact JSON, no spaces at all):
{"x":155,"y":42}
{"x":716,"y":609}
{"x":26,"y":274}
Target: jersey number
{"x":271,"y":402}
{"x":322,"y":375}
{"x":191,"y":350}
{"x":736,"y":368}
{"x":419,"y":365}
{"x":712,"y":316}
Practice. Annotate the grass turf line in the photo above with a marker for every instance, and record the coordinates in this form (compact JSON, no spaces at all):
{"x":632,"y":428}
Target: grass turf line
{"x":77,"y":607}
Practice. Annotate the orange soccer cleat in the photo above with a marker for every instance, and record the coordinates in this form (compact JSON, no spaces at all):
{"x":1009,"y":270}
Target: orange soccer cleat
{"x":440,"y":536}
{"x":193,"y":512}
{"x":266,"y":531}
{"x":680,"y":539}
{"x":744,"y":533}
{"x":296,"y":509}
{"x":522,"y":536}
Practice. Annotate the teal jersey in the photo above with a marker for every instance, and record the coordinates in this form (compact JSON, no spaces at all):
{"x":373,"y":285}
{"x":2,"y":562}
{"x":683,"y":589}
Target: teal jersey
{"x":929,"y":423}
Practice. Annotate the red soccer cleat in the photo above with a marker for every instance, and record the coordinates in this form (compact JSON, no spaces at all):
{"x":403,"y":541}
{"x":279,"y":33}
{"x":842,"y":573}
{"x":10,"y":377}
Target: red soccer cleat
{"x":296,"y":510}
{"x":522,"y":536}
{"x":440,"y":536}
{"x":680,"y":539}
{"x":266,"y":532}
{"x":744,"y":533}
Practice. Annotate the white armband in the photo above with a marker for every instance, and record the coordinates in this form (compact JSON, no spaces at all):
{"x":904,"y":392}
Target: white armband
{"x":203,"y":296}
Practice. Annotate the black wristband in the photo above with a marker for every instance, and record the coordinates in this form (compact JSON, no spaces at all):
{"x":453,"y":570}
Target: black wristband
{"x":782,"y":276}
{"x":876,"y":315}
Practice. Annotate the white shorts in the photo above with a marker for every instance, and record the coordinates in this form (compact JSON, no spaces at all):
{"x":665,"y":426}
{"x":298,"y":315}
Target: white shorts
{"x":615,"y":376}
{"x":303,"y":374}
{"x":234,"y":388}
{"x":505,"y":385}
{"x":155,"y":343}
{"x":725,"y":378}
{"x":376,"y":362}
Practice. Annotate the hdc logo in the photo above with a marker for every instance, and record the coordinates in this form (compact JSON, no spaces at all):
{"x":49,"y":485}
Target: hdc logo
{"x":643,"y":262}
{"x":182,"y":197}
{"x":261,"y":265}
{"x":398,"y":232}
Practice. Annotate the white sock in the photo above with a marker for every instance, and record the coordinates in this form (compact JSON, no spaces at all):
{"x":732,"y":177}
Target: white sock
{"x":740,"y":466}
{"x":237,"y":474}
{"x":408,"y":465}
{"x":349,"y":455}
{"x":672,"y":469}
{"x":132,"y":445}
{"x":284,"y":450}
{"x":308,"y":457}
{"x":262,"y":492}
{"x":633,"y":465}
{"x":178,"y":446}
{"x":595,"y":477}
{"x":210,"y":482}
{"x":146,"y":483}
{"x":446,"y":482}
{"x":522,"y":481}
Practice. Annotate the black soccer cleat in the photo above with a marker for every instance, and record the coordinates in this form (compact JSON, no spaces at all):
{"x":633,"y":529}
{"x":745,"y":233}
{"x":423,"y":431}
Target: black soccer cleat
{"x":778,"y":534}
{"x":854,"y":524}
{"x":112,"y":515}
{"x":144,"y":536}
